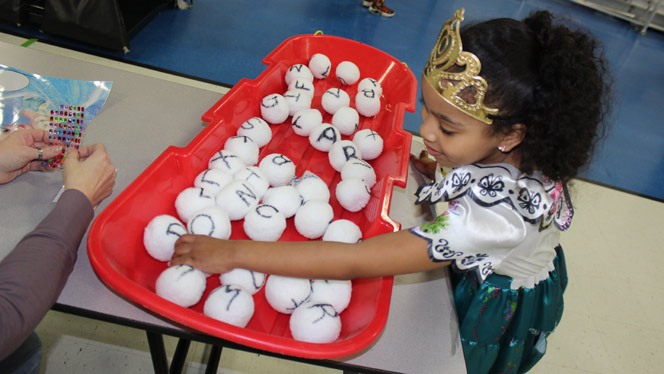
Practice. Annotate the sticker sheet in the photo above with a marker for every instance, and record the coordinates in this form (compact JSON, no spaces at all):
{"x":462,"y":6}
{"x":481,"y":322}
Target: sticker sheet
{"x":64,"y":107}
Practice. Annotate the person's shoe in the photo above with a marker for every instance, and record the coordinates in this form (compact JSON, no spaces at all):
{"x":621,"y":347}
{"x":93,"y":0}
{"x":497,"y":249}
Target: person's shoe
{"x":381,"y":10}
{"x":367,"y":3}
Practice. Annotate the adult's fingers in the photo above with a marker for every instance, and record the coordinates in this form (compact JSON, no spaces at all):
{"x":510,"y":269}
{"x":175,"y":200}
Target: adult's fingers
{"x":96,"y":148}
{"x":72,"y":155}
{"x":85,"y":151}
{"x":48,"y":152}
{"x":37,"y":136}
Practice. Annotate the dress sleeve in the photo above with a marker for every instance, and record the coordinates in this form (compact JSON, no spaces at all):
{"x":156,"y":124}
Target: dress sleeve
{"x":474,"y":237}
{"x":34,"y":273}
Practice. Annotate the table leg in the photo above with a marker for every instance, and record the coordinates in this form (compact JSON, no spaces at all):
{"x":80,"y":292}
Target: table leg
{"x":158,"y":352}
{"x":180,"y":356}
{"x":213,"y":361}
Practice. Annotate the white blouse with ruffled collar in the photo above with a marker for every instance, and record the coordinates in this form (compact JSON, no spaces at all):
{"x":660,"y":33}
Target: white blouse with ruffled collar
{"x":499,"y":220}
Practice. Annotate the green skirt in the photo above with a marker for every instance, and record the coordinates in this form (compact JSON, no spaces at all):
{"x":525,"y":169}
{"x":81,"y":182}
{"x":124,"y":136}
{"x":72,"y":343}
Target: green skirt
{"x":504,"y":330}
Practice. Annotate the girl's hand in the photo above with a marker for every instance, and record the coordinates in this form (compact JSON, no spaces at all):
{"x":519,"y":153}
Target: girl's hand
{"x":424,"y":164}
{"x":205,"y":253}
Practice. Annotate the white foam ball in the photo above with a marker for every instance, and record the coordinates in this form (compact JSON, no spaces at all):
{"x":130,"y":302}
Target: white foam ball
{"x":346,"y":119}
{"x":191,"y":200}
{"x":160,"y":235}
{"x":334,"y":292}
{"x":212,"y":180}
{"x":315,"y":322}
{"x":306,"y":120}
{"x":359,"y":169}
{"x":347,"y":73}
{"x":298,"y":71}
{"x":231,"y":304}
{"x":211,"y":221}
{"x":311,"y":187}
{"x":252,"y":281}
{"x":353,"y":194}
{"x":297,"y":100}
{"x":244,"y":147}
{"x":371,"y":84}
{"x":255,"y":176}
{"x":333,"y":99}
{"x":264,"y":223}
{"x":285,"y":198}
{"x":312,"y":219}
{"x":367,"y":102}
{"x":181,"y":284}
{"x":284,"y":294}
{"x":342,"y":152}
{"x":274,"y":108}
{"x":237,"y":199}
{"x":303,"y":85}
{"x":227,"y":161}
{"x":369,"y":142}
{"x":278,"y":169}
{"x":320,"y":65}
{"x":344,"y":231}
{"x":257,"y":129}
{"x":324,"y":136}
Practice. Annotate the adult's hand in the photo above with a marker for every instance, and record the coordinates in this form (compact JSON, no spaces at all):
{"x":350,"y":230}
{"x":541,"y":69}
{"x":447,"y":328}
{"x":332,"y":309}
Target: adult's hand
{"x":19,"y":152}
{"x":89,"y":170}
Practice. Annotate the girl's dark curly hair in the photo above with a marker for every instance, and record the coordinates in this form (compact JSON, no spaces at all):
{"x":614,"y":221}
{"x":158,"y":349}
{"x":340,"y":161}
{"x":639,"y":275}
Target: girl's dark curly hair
{"x":550,"y":78}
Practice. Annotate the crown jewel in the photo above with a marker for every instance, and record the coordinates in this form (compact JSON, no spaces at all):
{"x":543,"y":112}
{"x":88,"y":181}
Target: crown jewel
{"x":451,"y":85}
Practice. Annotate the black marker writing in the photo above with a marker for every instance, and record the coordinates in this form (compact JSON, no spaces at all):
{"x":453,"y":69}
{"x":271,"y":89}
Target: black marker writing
{"x":196,"y":227}
{"x":280,"y":160}
{"x":350,"y":152}
{"x":329,"y":134}
{"x":246,"y":196}
{"x":270,"y":101}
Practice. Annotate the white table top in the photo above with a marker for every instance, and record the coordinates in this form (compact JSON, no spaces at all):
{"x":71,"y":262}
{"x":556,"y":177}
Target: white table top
{"x":141,"y":118}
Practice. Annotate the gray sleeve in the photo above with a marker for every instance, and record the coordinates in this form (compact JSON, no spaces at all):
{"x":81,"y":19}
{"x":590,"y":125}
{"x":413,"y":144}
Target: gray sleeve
{"x":34,"y":273}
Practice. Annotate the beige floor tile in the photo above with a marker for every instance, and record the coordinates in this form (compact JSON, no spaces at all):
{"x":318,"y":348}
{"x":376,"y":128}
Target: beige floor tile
{"x":245,"y":362}
{"x":617,"y":234}
{"x":105,"y":358}
{"x":632,"y":349}
{"x":58,"y":323}
{"x":549,"y":368}
{"x":61,"y":353}
{"x":649,"y":293}
{"x":606,"y":301}
{"x":577,"y":344}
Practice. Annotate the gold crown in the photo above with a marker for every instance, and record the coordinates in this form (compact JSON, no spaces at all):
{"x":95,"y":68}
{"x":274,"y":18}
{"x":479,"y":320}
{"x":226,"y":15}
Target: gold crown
{"x":447,"y":53}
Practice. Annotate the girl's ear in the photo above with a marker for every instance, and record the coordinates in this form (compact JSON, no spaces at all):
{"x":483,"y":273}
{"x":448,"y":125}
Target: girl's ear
{"x":514,"y":137}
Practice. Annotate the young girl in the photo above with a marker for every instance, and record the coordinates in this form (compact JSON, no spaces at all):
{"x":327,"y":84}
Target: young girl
{"x":512,"y":110}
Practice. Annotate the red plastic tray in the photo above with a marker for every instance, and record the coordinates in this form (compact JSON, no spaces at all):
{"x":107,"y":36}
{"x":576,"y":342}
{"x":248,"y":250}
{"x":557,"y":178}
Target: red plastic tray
{"x":115,"y":242}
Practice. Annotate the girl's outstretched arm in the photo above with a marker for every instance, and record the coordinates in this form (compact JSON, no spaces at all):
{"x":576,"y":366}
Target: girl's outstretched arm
{"x":390,"y":254}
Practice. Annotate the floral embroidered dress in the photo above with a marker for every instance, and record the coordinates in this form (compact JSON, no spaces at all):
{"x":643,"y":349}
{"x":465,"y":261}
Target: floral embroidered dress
{"x":501,"y":231}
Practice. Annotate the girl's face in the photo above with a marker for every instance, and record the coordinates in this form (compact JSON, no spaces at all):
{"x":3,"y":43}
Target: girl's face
{"x":454,"y":138}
